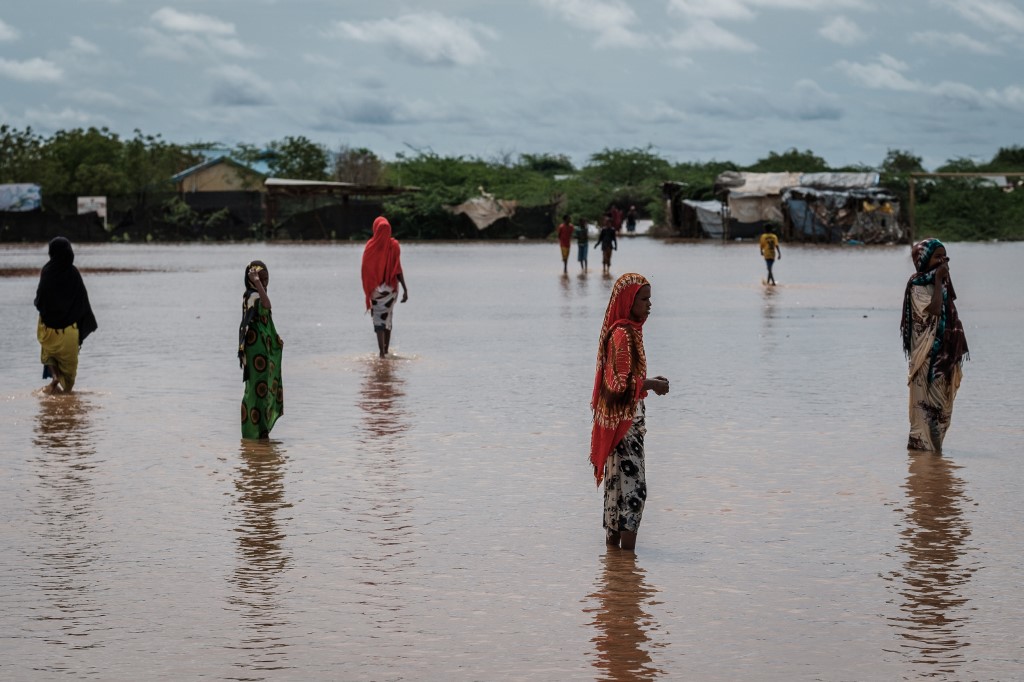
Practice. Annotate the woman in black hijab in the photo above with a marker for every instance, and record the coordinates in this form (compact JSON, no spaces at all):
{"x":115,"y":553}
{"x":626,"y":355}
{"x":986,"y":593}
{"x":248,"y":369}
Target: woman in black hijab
{"x":65,"y":316}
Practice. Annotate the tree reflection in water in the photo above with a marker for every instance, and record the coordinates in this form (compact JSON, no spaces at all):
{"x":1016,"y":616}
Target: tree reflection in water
{"x":935,"y":545}
{"x":622,"y":641}
{"x":262,"y":555}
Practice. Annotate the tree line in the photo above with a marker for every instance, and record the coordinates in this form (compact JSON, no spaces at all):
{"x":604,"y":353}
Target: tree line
{"x":97,"y":161}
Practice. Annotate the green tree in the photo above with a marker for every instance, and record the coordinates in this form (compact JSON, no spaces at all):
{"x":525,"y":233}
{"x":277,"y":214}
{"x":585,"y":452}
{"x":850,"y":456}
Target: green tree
{"x":1008,"y":160}
{"x":627,"y":167}
{"x":899,"y":162}
{"x":790,"y":161}
{"x":21,"y":155}
{"x":358,"y":166}
{"x":297,"y":158}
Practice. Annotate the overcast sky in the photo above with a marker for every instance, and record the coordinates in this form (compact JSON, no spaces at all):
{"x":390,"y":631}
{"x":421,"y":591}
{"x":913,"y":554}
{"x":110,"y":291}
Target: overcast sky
{"x":698,"y":80}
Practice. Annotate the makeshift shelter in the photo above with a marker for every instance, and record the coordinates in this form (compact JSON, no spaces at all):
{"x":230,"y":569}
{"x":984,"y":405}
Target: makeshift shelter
{"x":21,"y":197}
{"x":829,"y":207}
{"x":703,"y":218}
{"x":504,"y":218}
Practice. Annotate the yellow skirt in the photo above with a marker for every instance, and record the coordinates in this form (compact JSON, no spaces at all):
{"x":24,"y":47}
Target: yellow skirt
{"x":58,"y":348}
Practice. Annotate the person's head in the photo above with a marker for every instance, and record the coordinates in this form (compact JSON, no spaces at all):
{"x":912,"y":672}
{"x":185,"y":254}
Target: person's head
{"x":565,"y":218}
{"x":381,"y":228}
{"x":769,"y":228}
{"x":260,"y":268}
{"x":583,"y":221}
{"x":61,"y":252}
{"x":641,"y":308}
{"x":630,"y":300}
{"x":928,"y":254}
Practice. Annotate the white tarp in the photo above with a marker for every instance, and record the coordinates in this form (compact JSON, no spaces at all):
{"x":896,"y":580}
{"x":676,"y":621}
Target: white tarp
{"x":839,"y":180}
{"x":709,"y":215}
{"x":485,"y":210}
{"x":20,"y":197}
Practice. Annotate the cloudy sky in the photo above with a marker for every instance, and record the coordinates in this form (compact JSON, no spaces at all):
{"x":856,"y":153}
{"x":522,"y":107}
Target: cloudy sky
{"x":696,"y":79}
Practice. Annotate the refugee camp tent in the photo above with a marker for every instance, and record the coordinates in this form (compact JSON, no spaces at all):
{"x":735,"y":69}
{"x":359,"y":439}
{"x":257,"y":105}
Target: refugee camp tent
{"x":829,"y":207}
{"x":706,"y":216}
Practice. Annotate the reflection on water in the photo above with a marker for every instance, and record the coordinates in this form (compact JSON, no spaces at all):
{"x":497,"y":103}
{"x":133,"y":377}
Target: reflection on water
{"x":262,"y":556}
{"x":382,"y":504}
{"x":68,"y":529}
{"x":931,"y":584}
{"x":622,"y":624}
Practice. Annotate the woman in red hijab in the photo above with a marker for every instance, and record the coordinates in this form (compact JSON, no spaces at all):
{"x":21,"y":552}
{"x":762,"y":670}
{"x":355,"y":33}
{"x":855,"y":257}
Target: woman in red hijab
{"x":382,"y":273}
{"x":620,"y":386}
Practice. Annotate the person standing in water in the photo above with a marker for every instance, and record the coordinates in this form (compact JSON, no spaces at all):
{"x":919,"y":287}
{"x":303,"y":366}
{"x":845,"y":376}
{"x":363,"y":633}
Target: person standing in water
{"x":620,"y":386}
{"x":934,"y":343}
{"x":65,"y":316}
{"x":382,"y":273}
{"x":608,"y":242}
{"x":582,"y":242}
{"x":259,"y":354}
{"x":769,"y":249}
{"x":565,"y":232}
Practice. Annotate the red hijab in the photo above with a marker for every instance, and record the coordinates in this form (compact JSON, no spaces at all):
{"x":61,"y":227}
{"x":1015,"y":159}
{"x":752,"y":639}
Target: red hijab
{"x":381,"y":259}
{"x":613,"y":413}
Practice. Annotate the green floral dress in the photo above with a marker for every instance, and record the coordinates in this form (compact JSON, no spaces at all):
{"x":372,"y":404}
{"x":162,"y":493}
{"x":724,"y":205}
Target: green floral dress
{"x":259,"y":352}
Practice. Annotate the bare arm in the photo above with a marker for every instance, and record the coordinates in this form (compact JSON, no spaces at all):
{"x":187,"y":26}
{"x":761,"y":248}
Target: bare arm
{"x":658,"y":384}
{"x":405,"y":289}
{"x":254,"y":279}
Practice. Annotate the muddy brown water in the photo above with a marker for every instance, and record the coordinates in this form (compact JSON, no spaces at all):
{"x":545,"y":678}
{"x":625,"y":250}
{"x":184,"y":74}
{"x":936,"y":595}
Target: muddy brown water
{"x":433,"y":517}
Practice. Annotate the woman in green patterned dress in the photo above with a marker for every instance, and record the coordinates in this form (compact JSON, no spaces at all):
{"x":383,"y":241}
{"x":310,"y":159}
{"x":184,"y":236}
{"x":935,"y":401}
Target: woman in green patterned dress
{"x":259,"y":354}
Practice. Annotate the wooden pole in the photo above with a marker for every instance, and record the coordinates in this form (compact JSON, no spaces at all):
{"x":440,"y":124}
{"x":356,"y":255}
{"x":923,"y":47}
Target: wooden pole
{"x":910,"y":208}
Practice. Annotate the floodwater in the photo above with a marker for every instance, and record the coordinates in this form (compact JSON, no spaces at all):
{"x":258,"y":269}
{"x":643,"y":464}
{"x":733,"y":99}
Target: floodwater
{"x":433,"y":516}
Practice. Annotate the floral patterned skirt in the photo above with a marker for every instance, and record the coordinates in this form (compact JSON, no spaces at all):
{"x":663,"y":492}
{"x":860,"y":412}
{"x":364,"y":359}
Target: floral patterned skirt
{"x":625,"y":485}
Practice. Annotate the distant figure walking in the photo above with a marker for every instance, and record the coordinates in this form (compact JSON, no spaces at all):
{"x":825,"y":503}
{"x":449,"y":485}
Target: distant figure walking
{"x":259,"y":355}
{"x":608,"y":242}
{"x":934,"y":343}
{"x":582,"y":242}
{"x":65,"y":316}
{"x":631,"y":220}
{"x":565,"y":232}
{"x":620,"y":386}
{"x":770,"y":249}
{"x":382,"y":273}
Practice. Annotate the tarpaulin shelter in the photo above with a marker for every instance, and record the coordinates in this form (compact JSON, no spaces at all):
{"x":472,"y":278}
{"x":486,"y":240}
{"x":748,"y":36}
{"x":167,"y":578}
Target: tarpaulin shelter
{"x":810,"y":206}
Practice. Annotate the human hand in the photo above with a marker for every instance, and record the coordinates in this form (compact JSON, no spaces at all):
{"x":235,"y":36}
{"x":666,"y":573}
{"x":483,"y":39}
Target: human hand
{"x":253,"y":276}
{"x":942,"y":272}
{"x":405,"y":295}
{"x":659,"y":385}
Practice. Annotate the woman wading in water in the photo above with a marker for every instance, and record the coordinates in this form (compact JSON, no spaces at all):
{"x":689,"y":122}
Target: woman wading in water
{"x":259,"y":354}
{"x":382,"y":273}
{"x":935,"y":344}
{"x":65,"y":317}
{"x":620,"y":386}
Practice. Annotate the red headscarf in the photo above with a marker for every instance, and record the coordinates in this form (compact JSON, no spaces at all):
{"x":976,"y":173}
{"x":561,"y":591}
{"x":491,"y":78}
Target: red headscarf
{"x":381,"y":259}
{"x":613,"y":412}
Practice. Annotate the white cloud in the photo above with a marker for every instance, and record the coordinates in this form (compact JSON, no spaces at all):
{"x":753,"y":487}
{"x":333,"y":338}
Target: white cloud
{"x":7,"y":32}
{"x":31,"y":70}
{"x":79,"y":44}
{"x":813,"y":103}
{"x":100,"y":98}
{"x":711,"y":9}
{"x":952,"y":40}
{"x":237,"y":86}
{"x":747,"y":9}
{"x":173,"y":20}
{"x":707,"y":35}
{"x":997,"y":16}
{"x":887,"y":74}
{"x":1011,"y":97}
{"x":47,"y":119}
{"x":609,"y":19}
{"x":429,"y":38}
{"x":183,"y":37}
{"x":843,"y":31}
